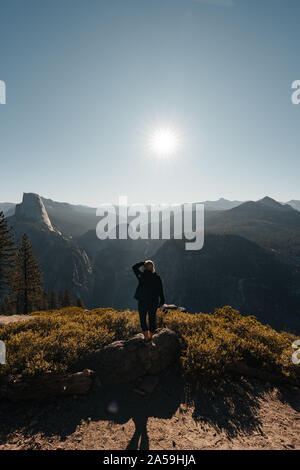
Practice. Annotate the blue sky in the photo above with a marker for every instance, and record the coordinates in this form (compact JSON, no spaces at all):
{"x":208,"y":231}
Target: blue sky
{"x":88,"y":81}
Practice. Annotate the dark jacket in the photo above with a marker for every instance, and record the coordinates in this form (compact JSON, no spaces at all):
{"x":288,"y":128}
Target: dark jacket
{"x":150,"y":288}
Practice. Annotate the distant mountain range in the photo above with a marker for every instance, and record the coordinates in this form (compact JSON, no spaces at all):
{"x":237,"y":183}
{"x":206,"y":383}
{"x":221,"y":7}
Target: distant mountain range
{"x":272,"y":225}
{"x":231,"y":270}
{"x":65,"y":265}
{"x":250,"y":260}
{"x":295,"y":204}
{"x":71,"y":220}
{"x":8,"y":208}
{"x":59,"y":210}
{"x":221,"y":204}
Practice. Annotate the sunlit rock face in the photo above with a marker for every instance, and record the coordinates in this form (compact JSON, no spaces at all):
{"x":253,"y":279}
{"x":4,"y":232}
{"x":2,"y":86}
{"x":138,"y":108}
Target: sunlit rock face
{"x":64,"y":264}
{"x":33,"y":209}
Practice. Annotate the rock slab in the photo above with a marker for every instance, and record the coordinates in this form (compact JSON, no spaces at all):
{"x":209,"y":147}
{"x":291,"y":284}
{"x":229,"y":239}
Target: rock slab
{"x":125,"y":361}
{"x":28,"y":388}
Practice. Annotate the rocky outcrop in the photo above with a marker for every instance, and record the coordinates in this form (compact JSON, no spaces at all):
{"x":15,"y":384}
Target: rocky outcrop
{"x":167,"y":307}
{"x":125,"y":361}
{"x":32,"y":208}
{"x":50,"y":385}
{"x":117,"y":363}
{"x":64,"y":264}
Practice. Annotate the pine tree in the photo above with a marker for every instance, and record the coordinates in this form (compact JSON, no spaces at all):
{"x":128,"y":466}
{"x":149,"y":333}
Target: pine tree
{"x":79,"y":302}
{"x":61,"y":300}
{"x":7,"y":253}
{"x":26,"y":286}
{"x":45,"y":301}
{"x":67,"y":299}
{"x":52,"y":301}
{"x":8,"y":307}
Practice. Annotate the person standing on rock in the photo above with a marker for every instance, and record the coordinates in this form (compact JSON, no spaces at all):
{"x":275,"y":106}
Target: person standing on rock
{"x":149,"y":294}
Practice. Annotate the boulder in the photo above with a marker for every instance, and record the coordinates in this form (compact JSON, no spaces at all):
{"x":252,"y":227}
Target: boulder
{"x":167,"y":307}
{"x":125,"y":361}
{"x":119,"y":362}
{"x":50,"y":385}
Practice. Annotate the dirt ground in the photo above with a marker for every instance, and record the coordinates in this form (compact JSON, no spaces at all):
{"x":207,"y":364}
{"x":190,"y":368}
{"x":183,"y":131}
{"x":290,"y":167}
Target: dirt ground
{"x":5,"y":319}
{"x":234,"y":415}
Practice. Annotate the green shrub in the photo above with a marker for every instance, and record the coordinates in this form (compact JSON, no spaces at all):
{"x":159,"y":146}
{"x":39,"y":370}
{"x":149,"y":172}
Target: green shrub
{"x":210,"y":344}
{"x":53,"y":341}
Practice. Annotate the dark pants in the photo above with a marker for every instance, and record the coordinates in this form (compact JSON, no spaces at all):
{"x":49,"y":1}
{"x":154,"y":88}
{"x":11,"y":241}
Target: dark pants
{"x":150,"y":310}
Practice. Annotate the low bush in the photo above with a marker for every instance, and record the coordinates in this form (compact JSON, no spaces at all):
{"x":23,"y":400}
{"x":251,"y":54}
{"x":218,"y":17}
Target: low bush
{"x":52,"y":341}
{"x":210,"y":344}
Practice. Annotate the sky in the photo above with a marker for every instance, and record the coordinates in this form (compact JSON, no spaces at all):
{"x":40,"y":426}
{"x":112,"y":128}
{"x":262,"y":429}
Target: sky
{"x":89,"y":82}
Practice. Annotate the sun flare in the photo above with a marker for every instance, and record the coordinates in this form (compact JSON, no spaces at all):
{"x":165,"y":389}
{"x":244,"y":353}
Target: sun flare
{"x":164,"y":142}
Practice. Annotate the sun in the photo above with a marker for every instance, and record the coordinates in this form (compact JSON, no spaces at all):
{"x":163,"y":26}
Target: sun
{"x":164,"y":141}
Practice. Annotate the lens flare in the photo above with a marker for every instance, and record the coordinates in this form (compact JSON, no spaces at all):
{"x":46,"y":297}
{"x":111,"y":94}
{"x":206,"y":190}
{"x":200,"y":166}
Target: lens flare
{"x":164,"y":142}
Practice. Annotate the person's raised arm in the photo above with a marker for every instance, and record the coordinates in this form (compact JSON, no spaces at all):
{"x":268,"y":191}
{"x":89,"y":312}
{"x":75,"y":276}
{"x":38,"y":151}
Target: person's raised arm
{"x":136,"y":269}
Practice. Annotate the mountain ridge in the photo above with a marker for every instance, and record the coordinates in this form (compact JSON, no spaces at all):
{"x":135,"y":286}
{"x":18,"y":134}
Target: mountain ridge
{"x":65,"y":265}
{"x":32,"y":209}
{"x":100,"y":270}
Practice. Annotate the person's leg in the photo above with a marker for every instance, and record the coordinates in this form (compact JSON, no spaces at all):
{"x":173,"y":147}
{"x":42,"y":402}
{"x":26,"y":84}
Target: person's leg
{"x":143,"y":321}
{"x":152,"y":318}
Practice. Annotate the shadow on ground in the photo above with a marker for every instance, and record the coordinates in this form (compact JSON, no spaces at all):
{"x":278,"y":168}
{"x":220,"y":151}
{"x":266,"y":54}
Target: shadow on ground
{"x":230,"y":407}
